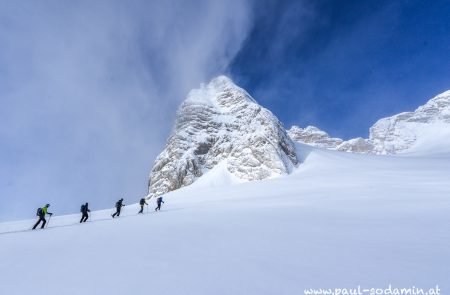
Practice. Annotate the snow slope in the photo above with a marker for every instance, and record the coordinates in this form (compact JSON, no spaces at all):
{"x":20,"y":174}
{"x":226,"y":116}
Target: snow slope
{"x":339,"y":220}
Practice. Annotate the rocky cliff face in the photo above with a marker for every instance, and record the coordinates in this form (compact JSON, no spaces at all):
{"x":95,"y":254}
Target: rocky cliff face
{"x":314,"y":136}
{"x":390,"y":135}
{"x":222,"y":122}
{"x":356,"y":145}
{"x":400,"y":132}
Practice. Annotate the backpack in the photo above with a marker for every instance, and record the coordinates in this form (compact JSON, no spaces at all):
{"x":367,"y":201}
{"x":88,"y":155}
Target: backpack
{"x":39,"y":212}
{"x":118,"y":205}
{"x":142,"y":201}
{"x":82,"y":208}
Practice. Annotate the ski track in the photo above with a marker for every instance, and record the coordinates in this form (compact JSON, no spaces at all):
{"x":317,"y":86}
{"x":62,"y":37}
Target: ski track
{"x":340,"y":220}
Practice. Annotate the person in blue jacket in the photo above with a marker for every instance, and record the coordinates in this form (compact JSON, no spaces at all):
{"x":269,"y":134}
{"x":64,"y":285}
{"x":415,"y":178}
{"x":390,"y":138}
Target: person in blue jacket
{"x":158,"y":203}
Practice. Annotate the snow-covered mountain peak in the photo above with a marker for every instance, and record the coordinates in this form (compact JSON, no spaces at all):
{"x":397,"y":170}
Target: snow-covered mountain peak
{"x":444,"y":96}
{"x":437,"y":108}
{"x":425,"y":129}
{"x":427,"y":125}
{"x":222,"y":82}
{"x":219,"y":92}
{"x":220,"y":123}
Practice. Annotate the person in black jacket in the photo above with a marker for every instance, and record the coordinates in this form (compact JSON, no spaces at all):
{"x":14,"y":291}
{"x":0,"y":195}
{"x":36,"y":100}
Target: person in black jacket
{"x":142,"y":202}
{"x":158,"y":203}
{"x":84,"y":211}
{"x":119,"y":206}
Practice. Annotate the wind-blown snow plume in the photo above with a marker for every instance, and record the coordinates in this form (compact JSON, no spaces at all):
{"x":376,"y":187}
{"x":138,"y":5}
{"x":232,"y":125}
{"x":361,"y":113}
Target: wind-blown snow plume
{"x":88,"y":91}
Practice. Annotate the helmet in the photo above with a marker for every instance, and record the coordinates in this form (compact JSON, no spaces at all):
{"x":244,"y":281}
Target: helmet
{"x":121,"y":199}
{"x":48,"y":205}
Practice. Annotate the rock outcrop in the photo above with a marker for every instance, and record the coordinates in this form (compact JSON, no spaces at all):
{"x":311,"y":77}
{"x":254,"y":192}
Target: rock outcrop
{"x":222,"y":122}
{"x":398,"y":133}
{"x":356,"y":145}
{"x":314,"y":136}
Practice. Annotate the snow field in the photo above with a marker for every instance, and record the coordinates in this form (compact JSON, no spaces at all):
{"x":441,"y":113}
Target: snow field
{"x":340,"y":220}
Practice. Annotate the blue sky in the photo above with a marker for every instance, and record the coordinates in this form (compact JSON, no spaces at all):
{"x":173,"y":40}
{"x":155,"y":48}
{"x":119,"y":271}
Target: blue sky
{"x":342,"y":65}
{"x":89,"y":89}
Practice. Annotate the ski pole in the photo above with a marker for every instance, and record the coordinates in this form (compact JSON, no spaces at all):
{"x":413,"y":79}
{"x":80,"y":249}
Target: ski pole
{"x":48,"y":221}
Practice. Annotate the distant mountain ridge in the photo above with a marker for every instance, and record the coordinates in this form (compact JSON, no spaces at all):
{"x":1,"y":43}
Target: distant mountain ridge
{"x":392,"y":135}
{"x":312,"y":135}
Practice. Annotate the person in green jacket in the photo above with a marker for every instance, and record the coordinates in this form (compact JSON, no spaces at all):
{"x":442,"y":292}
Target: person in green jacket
{"x":41,"y":213}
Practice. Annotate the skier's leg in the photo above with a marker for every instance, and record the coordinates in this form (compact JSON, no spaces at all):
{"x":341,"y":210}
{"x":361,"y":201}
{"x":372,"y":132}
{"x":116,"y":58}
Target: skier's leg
{"x":37,"y":223}
{"x":43,"y":222}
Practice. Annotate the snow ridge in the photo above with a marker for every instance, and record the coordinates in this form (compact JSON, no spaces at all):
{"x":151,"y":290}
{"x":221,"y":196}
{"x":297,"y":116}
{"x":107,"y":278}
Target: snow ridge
{"x":428,"y":126}
{"x":401,"y":132}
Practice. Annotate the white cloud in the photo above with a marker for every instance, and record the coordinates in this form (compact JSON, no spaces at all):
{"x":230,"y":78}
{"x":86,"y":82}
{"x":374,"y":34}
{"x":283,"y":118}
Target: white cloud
{"x":89,"y":91}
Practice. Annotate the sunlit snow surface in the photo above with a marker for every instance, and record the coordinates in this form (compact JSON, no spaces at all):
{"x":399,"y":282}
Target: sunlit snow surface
{"x":340,"y":220}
